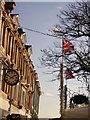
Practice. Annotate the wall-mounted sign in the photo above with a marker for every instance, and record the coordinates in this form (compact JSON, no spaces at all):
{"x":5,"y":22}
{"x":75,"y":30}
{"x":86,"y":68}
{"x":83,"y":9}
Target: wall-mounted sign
{"x":11,"y":77}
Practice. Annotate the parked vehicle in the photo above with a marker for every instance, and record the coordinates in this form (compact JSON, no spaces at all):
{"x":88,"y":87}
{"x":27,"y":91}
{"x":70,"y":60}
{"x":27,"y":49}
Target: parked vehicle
{"x":16,"y":117}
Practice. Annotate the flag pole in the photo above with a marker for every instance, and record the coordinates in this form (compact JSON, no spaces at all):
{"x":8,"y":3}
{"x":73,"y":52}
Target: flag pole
{"x":65,"y":94}
{"x":66,"y":47}
{"x":61,"y":89}
{"x":61,"y":84}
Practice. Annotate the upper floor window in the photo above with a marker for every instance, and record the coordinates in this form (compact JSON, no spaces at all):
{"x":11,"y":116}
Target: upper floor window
{"x":9,"y":45}
{"x":15,"y":54}
{"x":12,"y":49}
{"x":3,"y":39}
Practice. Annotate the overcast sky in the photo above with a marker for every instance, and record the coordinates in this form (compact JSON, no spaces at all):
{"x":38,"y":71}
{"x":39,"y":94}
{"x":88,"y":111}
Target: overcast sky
{"x":41,"y":17}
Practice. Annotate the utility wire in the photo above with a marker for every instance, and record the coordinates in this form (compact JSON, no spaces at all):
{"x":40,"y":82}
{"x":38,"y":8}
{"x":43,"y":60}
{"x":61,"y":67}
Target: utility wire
{"x":39,"y":32}
{"x":36,"y":31}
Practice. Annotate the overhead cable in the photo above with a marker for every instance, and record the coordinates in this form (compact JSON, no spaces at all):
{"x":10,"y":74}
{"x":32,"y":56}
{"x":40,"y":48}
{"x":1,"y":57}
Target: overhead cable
{"x":39,"y":32}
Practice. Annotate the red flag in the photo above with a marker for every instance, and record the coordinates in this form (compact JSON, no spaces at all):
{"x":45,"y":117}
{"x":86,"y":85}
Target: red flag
{"x":69,"y":74}
{"x":67,"y":46}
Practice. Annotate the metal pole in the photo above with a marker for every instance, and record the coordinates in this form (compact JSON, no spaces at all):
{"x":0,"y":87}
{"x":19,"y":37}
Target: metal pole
{"x":65,"y":95}
{"x":89,"y":61}
{"x":61,"y":89}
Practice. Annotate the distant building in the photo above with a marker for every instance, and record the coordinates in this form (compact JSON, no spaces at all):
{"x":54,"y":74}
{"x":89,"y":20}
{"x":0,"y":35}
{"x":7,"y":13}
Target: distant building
{"x":22,"y":98}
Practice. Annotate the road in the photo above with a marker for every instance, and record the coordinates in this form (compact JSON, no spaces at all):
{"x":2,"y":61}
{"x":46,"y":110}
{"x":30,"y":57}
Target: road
{"x":82,"y":112}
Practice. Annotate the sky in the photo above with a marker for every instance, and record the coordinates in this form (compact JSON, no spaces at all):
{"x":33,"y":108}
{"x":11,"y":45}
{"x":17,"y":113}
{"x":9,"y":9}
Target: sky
{"x":42,"y":16}
{"x":47,"y":0}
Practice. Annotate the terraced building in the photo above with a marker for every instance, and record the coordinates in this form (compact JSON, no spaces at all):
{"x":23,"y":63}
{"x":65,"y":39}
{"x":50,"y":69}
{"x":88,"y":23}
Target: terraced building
{"x":19,"y":85}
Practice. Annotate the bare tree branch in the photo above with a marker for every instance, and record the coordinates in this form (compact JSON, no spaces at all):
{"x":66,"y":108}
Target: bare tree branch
{"x":74,"y":26}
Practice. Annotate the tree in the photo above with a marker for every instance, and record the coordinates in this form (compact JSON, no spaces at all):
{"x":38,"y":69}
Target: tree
{"x":78,"y":99}
{"x":74,"y":26}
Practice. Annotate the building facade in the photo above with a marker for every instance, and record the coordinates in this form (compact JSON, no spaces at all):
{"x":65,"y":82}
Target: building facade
{"x":23,"y":97}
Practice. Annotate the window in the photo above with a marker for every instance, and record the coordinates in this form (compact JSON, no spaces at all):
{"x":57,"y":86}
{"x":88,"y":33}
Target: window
{"x":23,"y":66}
{"x":15,"y":53}
{"x":25,"y":69}
{"x":3,"y":82}
{"x":15,"y":92}
{"x":23,"y":100}
{"x":7,"y":42}
{"x":12,"y":49}
{"x":19,"y":59}
{"x":9,"y":45}
{"x":3,"y":39}
{"x":23,"y":96}
{"x":29,"y":102}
